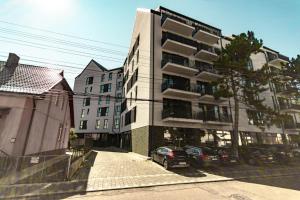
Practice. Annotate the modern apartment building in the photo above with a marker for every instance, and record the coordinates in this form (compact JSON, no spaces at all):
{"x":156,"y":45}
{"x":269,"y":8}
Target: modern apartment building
{"x":168,"y":90}
{"x":98,"y":103}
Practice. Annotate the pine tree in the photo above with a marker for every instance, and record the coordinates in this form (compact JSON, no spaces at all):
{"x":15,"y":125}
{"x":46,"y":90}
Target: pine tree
{"x":244,"y":84}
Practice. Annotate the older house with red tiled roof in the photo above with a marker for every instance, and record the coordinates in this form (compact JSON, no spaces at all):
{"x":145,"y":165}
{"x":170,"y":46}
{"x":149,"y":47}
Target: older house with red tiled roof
{"x":36,"y":109}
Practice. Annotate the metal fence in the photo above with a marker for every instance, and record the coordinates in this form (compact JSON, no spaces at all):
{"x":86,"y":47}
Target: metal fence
{"x":34,"y":169}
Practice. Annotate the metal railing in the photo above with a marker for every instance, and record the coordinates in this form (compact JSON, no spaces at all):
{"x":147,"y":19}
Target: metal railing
{"x":208,"y":48}
{"x":177,"y":113}
{"x":219,"y":117}
{"x":202,"y":66}
{"x":177,"y":38}
{"x":33,"y":169}
{"x":292,"y":125}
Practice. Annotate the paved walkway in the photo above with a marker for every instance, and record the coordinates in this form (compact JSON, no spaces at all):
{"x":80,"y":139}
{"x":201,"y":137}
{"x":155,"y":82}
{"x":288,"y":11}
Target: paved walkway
{"x":109,"y":169}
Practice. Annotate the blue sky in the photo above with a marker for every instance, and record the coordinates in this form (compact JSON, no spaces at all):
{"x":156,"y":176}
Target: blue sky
{"x":110,"y":23}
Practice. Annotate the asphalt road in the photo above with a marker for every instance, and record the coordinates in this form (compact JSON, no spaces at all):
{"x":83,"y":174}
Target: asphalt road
{"x":275,"y":188}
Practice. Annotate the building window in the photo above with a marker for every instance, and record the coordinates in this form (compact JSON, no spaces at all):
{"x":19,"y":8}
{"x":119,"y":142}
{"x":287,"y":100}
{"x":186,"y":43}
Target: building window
{"x":119,"y":75}
{"x":86,"y":101}
{"x":91,"y":89}
{"x":102,"y":77}
{"x":118,"y":110}
{"x":88,"y":111}
{"x":104,"y":111}
{"x":136,"y":92}
{"x":132,"y":65}
{"x":105,"y":125}
{"x":117,"y":123}
{"x":99,"y":100}
{"x":97,"y":124}
{"x":82,"y":113}
{"x":137,"y":56}
{"x":110,"y":76}
{"x":130,"y":98}
{"x":250,"y":65}
{"x":119,"y":85}
{"x":107,"y":99}
{"x":119,"y":97}
{"x":105,"y":88}
{"x":83,"y":125}
{"x":89,"y":80}
{"x":85,"y":90}
{"x":99,"y":112}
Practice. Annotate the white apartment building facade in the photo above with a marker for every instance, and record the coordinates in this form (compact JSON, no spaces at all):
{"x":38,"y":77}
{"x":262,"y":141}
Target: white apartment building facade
{"x":97,"y":103}
{"x":168,"y":91}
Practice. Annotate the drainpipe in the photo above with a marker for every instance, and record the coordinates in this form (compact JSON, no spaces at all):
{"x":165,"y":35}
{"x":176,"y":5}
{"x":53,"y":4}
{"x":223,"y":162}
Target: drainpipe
{"x":30,"y":125}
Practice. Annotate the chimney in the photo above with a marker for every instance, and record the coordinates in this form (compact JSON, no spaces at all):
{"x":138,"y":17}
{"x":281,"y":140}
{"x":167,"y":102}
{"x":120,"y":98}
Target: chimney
{"x":12,"y":62}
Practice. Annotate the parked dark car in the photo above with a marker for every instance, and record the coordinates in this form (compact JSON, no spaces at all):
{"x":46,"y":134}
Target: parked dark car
{"x":282,"y":153}
{"x":202,"y":156}
{"x":170,"y":157}
{"x":226,"y":156}
{"x":257,"y":156}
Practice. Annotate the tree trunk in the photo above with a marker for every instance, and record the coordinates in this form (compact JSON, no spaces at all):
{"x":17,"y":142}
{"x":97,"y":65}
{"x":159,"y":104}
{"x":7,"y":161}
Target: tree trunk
{"x":235,"y":135}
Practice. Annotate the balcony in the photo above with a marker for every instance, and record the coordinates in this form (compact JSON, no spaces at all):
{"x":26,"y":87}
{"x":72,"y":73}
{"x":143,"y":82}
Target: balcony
{"x":206,"y":52}
{"x":176,"y":115}
{"x":217,"y":118}
{"x":285,"y":91}
{"x":289,"y":108}
{"x":177,"y":25}
{"x":177,"y":64}
{"x":206,"y":72}
{"x":178,"y":44}
{"x":207,"y":95}
{"x":277,"y":60}
{"x":292,"y":126}
{"x":179,"y":90}
{"x":206,"y":35}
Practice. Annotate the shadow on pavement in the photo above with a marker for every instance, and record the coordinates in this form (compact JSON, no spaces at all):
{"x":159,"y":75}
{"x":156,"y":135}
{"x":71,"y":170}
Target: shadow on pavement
{"x":110,"y":149}
{"x":277,"y":175}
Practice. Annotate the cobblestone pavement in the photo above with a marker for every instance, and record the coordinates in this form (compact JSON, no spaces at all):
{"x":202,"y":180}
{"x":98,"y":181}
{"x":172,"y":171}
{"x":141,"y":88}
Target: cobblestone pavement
{"x":109,"y":169}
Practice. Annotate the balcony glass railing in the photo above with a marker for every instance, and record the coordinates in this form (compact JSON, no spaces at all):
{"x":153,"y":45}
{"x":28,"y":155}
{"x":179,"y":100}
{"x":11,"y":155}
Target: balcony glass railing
{"x":177,"y":38}
{"x":208,"y":48}
{"x":179,"y":86}
{"x":272,"y":56}
{"x":178,"y":113}
{"x":211,"y":31}
{"x":292,"y":125}
{"x":220,"y":117}
{"x":289,"y":106}
{"x":202,"y":66}
{"x":165,"y":17}
{"x":175,"y":59}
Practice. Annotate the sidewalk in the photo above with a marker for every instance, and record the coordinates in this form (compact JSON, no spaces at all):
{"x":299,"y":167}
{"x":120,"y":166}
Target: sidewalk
{"x":106,"y":170}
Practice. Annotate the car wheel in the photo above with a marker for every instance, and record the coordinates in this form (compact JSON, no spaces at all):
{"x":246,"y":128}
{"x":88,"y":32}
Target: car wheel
{"x":166,"y":165}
